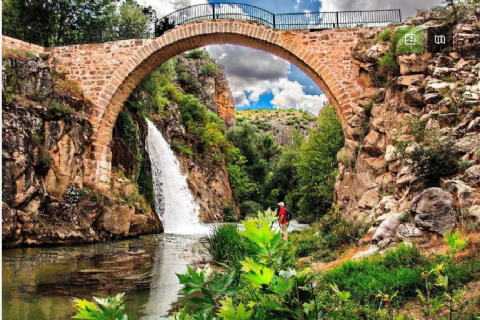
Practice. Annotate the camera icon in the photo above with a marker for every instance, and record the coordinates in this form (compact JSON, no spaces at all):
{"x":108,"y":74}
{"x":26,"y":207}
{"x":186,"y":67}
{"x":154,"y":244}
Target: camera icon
{"x":410,"y":39}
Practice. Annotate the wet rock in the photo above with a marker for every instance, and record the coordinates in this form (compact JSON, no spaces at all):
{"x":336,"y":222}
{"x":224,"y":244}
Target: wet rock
{"x":434,"y":211}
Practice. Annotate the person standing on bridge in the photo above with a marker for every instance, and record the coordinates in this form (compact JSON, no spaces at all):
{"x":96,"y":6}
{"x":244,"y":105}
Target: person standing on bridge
{"x":284,"y":217}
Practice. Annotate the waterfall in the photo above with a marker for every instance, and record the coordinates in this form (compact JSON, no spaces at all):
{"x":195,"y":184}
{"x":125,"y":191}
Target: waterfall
{"x":174,"y":203}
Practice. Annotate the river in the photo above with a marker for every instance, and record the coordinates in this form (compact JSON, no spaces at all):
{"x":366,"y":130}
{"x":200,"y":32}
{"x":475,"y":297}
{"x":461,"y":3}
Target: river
{"x":39,"y":283}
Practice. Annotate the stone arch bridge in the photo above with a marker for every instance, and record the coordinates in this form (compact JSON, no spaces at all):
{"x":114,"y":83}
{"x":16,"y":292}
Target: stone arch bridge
{"x":109,"y":72}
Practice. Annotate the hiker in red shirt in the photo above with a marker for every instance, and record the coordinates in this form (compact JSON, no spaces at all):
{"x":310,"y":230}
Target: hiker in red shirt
{"x":283,"y":220}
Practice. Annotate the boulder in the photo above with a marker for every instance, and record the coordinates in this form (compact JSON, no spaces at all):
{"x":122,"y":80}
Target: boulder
{"x":391,"y":154}
{"x":434,"y":211}
{"x":408,"y":230}
{"x":472,"y":176}
{"x":116,"y":219}
{"x":386,"y":231}
{"x":466,"y":195}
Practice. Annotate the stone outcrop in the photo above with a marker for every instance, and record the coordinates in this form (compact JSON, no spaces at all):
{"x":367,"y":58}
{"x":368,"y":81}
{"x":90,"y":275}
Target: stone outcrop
{"x":46,"y":131}
{"x":214,"y":91}
{"x":439,"y":92}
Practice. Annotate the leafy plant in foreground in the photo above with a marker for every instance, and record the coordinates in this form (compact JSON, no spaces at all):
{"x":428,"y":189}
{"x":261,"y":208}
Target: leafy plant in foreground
{"x":268,"y":287}
{"x":110,"y":308}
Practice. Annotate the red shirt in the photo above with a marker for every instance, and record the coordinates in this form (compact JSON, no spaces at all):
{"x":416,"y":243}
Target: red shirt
{"x":282,"y":216}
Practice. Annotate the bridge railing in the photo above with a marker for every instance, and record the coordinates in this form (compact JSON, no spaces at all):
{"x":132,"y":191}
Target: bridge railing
{"x":285,"y":21}
{"x":212,"y":11}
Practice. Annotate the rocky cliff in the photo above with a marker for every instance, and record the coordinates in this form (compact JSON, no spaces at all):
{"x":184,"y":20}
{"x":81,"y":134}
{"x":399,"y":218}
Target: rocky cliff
{"x":45,"y":135}
{"x":192,"y":74}
{"x":412,"y":163}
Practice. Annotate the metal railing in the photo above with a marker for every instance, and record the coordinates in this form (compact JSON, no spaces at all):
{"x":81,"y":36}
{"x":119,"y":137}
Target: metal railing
{"x":285,"y":21}
{"x":211,"y":11}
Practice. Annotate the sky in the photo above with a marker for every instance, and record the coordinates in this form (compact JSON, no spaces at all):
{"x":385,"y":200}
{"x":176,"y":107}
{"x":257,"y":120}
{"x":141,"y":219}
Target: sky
{"x":261,"y":80}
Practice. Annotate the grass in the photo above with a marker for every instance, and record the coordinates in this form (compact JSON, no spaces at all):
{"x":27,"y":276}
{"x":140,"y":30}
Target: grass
{"x":225,"y":245}
{"x":57,"y":111}
{"x":16,"y":53}
{"x":399,"y":269}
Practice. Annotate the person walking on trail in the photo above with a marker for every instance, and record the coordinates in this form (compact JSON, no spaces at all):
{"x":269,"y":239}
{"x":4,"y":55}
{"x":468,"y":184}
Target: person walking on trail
{"x":284,"y":217}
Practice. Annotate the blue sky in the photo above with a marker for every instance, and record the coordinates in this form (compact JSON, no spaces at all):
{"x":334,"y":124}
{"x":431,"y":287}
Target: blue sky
{"x":260,"y":80}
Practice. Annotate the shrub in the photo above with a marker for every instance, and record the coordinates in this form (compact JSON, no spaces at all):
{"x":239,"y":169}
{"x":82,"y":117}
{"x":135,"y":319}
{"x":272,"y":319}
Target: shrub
{"x":225,"y":245}
{"x":250,"y":208}
{"x":45,"y":161}
{"x":73,"y":194}
{"x":188,"y":82}
{"x":209,"y":69}
{"x":389,"y":62}
{"x":386,"y":35}
{"x":228,"y":215}
{"x":58,"y":111}
{"x":334,"y":234}
{"x":433,"y":160}
{"x":197,"y":54}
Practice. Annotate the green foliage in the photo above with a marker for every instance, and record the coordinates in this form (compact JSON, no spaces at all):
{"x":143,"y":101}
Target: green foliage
{"x":197,"y":54}
{"x":329,"y":237}
{"x":145,"y":182}
{"x":317,"y":165}
{"x":387,"y":35}
{"x":127,"y":130}
{"x":250,"y":165}
{"x":73,"y":193}
{"x":188,"y":82}
{"x":225,"y":245}
{"x":45,"y":161}
{"x":389,"y":62}
{"x":228,"y":214}
{"x":57,"y":111}
{"x":433,"y":160}
{"x":250,"y":208}
{"x":210,"y":69}
{"x":110,"y":308}
{"x":399,"y":270}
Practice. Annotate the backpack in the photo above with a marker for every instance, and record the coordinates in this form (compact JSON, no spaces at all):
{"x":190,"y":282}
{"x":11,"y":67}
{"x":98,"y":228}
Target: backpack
{"x":288,"y":215}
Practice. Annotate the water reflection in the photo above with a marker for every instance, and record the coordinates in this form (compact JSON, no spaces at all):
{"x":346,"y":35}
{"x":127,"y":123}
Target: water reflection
{"x":39,"y":283}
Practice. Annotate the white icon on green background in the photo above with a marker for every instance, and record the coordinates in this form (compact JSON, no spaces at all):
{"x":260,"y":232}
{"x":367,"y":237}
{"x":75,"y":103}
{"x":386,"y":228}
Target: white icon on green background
{"x":410,"y":40}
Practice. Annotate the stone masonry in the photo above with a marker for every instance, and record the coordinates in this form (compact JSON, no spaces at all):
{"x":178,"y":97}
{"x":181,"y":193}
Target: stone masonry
{"x":109,"y":72}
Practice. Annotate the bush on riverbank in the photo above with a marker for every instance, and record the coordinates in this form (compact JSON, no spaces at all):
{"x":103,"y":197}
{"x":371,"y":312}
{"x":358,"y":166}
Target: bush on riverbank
{"x":329,"y":237}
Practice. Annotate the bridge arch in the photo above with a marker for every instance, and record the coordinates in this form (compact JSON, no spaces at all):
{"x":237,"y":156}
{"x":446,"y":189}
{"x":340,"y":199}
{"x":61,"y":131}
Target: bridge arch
{"x":325,"y":56}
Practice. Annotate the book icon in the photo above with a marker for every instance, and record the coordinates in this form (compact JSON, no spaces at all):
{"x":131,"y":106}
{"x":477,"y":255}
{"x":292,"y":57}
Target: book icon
{"x":410,"y":39}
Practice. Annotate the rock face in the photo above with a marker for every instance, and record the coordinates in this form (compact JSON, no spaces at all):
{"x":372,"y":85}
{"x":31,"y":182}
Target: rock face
{"x":214,"y":91}
{"x":45,"y":135}
{"x":438,"y":92}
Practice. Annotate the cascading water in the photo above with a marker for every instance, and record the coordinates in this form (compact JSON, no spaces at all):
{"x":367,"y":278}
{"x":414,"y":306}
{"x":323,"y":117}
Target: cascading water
{"x":175,"y":204}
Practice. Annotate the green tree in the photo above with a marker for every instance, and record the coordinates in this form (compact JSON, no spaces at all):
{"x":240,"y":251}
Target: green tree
{"x":58,"y":17}
{"x":317,"y":166}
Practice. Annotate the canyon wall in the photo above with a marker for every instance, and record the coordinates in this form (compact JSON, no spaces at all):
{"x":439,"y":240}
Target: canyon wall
{"x":427,"y":107}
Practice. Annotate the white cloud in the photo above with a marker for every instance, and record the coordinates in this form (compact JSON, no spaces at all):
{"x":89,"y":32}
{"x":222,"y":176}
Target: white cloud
{"x":409,"y":7}
{"x":164,"y":7}
{"x":290,"y":94}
